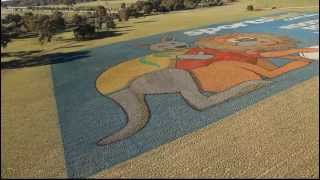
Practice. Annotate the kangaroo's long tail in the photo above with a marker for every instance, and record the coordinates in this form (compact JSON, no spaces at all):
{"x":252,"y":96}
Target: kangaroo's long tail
{"x":137,"y":115}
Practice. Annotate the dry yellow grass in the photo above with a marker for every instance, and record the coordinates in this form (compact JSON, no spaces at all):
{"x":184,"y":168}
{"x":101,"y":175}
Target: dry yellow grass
{"x":30,"y":136}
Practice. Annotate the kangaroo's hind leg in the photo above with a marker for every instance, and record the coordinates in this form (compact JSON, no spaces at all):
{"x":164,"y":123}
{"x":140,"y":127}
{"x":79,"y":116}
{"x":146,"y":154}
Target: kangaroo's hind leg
{"x":133,"y":103}
{"x":137,"y":115}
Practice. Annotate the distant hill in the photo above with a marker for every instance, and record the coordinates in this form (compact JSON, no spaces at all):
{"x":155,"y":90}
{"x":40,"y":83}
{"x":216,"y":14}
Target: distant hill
{"x":17,"y":3}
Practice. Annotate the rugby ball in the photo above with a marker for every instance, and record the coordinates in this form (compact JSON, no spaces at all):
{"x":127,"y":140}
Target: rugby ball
{"x":311,"y":55}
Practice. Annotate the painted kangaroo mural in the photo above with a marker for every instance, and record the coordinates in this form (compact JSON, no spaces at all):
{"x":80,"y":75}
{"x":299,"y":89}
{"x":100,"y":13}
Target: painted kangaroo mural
{"x":229,"y":66}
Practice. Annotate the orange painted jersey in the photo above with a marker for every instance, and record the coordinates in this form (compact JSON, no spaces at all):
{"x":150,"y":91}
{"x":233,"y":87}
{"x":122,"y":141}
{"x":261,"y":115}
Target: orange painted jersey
{"x":217,"y":55}
{"x":215,"y":74}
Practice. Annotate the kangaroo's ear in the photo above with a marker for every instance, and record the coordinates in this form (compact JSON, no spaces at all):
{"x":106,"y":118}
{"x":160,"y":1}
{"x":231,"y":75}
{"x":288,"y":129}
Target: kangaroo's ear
{"x":164,"y":39}
{"x":167,"y":38}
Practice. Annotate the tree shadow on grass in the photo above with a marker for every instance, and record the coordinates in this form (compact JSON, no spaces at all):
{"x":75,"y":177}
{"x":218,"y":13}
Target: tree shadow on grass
{"x":122,"y":27}
{"x":113,"y":33}
{"x":46,"y":59}
{"x":99,"y":35}
{"x":146,"y":21}
{"x":19,"y":53}
{"x":27,"y":35}
{"x":105,"y":34}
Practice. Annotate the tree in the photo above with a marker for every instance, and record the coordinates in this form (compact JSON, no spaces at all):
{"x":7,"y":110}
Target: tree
{"x":250,"y":8}
{"x":83,"y":32}
{"x":109,"y":22}
{"x":47,"y":25}
{"x":167,"y":5}
{"x":123,"y":5}
{"x":100,"y":16}
{"x":147,"y":7}
{"x":12,"y":18}
{"x":190,"y":4}
{"x":124,"y":13}
{"x":155,"y":4}
{"x":178,"y":5}
{"x":69,"y":2}
{"x":29,"y":21}
{"x":133,"y":11}
{"x":217,"y":2}
{"x":14,"y":23}
{"x":58,"y":21}
{"x":101,"y":11}
{"x":172,"y":5}
{"x":78,"y":20}
{"x":5,"y":37}
{"x":139,"y":5}
{"x":45,"y":28}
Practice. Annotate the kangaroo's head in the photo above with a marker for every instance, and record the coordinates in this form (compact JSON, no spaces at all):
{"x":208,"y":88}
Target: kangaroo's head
{"x":168,"y":43}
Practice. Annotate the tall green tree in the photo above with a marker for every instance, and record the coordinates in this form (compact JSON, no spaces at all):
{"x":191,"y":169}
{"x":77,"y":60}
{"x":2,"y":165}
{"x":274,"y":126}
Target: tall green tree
{"x":78,"y":20}
{"x":190,"y":4}
{"x":124,"y":13}
{"x":155,"y":4}
{"x":29,"y":21}
{"x":123,"y":5}
{"x":100,"y":16}
{"x":45,"y":28}
{"x":5,"y":36}
{"x":84,"y":32}
{"x":139,"y":5}
{"x":147,"y":7}
{"x":58,"y":21}
{"x":69,"y":3}
{"x":13,"y":22}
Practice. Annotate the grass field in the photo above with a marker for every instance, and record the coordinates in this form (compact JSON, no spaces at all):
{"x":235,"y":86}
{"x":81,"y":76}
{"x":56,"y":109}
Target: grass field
{"x":150,"y":25}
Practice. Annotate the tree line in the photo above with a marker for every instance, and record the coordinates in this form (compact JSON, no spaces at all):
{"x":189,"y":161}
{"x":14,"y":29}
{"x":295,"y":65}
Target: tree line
{"x":19,"y":3}
{"x":149,"y":7}
{"x":45,"y":26}
{"x":86,"y":26}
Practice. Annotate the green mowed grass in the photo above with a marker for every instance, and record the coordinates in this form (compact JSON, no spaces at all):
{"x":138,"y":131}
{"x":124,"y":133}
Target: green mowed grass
{"x":150,"y":25}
